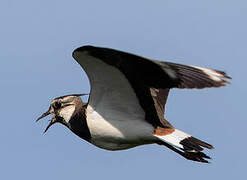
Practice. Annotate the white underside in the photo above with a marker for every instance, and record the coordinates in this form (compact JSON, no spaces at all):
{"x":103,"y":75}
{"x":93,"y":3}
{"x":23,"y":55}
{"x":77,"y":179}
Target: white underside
{"x":119,"y":130}
{"x":114,"y":116}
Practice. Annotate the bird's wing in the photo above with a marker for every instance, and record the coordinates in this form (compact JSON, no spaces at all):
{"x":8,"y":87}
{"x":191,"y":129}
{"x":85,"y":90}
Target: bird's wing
{"x":160,"y":97}
{"x":193,"y":76}
{"x":123,"y":82}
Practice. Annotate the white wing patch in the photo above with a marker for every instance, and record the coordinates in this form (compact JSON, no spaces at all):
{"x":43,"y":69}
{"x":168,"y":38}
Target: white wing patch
{"x":114,"y":114}
{"x":214,"y":75}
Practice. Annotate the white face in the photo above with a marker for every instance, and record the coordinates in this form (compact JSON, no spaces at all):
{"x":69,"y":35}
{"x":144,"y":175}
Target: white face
{"x":67,"y":112}
{"x":63,"y":107}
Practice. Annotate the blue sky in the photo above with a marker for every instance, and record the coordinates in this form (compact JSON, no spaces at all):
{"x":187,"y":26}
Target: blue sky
{"x":36,"y":42}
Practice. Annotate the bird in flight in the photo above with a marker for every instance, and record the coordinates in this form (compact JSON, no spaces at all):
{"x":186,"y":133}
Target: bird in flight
{"x":126,"y":104}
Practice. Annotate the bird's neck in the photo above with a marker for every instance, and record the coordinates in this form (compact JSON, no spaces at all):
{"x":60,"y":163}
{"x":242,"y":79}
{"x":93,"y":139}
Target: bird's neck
{"x":78,"y":124}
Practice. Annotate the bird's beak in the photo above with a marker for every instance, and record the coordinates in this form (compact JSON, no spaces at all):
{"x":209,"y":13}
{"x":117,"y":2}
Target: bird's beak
{"x":52,"y":121}
{"x":44,"y":115}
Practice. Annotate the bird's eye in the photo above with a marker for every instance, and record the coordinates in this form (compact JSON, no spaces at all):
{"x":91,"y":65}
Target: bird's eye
{"x":57,"y":105}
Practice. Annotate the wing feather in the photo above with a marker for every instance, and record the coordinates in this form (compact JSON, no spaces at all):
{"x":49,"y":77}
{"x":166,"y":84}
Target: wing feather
{"x":147,"y":76}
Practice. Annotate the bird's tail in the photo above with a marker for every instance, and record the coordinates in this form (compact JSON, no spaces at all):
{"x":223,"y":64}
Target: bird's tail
{"x":183,"y":143}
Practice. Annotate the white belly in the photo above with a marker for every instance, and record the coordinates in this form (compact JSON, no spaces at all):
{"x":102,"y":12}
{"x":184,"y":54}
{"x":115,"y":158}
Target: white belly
{"x":121,"y":131}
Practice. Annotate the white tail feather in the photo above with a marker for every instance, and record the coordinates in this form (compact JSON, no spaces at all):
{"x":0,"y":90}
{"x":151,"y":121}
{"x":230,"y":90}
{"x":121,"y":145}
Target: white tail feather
{"x":174,"y":138}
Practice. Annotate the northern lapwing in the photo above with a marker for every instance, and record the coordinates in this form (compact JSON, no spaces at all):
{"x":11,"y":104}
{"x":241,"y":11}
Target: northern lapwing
{"x":127,"y":100}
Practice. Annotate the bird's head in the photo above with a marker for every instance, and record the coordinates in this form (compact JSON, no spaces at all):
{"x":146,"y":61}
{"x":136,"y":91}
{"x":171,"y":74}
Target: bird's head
{"x":63,"y":108}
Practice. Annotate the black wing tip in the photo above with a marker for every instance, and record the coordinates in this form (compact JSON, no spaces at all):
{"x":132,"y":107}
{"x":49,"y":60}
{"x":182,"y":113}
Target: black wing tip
{"x":220,"y":76}
{"x":224,"y":77}
{"x":199,"y":77}
{"x":95,"y":51}
{"x":83,"y":49}
{"x":223,"y":73}
{"x":91,"y":48}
